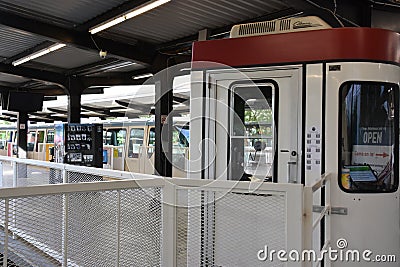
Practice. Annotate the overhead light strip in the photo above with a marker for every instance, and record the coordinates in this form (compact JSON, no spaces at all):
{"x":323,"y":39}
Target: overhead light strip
{"x":135,"y":12}
{"x":38,"y":54}
{"x":142,"y":76}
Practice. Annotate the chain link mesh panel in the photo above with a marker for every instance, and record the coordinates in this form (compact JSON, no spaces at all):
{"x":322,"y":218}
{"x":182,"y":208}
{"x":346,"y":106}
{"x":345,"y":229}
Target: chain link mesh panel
{"x":8,"y":171}
{"x":34,"y":230}
{"x":77,"y":177}
{"x":102,"y":228}
{"x":92,"y":228}
{"x":228,"y":229}
{"x":141,"y":227}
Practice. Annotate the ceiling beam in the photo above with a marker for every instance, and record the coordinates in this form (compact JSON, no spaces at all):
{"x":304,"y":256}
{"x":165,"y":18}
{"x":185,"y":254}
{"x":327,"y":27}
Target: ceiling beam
{"x":146,"y":109}
{"x":112,"y":80}
{"x":141,"y":52}
{"x":29,"y":51}
{"x":34,"y":74}
{"x":92,"y":68}
{"x":103,"y":111}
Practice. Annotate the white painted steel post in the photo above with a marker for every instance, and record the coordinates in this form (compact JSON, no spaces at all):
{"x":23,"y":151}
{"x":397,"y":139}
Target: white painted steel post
{"x":6,"y":214}
{"x":307,"y":221}
{"x":328,"y":216}
{"x":169,"y":225}
{"x":15,"y":173}
{"x":118,"y":226}
{"x":15,"y":184}
{"x":294,"y":219}
{"x":64,"y":176}
{"x":65,"y":231}
{"x":1,"y":174}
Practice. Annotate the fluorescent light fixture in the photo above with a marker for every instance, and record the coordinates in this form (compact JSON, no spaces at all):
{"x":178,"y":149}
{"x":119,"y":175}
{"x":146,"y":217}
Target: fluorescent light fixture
{"x":38,"y":54}
{"x":135,"y":12}
{"x":107,"y":25}
{"x":142,"y":76}
{"x":145,"y":8}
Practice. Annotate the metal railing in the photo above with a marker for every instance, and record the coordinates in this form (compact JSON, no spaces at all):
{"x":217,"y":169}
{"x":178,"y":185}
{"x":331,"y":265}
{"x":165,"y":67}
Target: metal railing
{"x":145,"y":220}
{"x":317,"y":216}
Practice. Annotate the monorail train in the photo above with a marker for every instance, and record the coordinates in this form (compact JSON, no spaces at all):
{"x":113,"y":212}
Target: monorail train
{"x":126,"y":145}
{"x":334,"y":98}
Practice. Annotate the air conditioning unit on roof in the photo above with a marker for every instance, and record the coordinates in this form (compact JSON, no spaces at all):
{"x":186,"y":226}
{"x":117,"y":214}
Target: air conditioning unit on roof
{"x":279,"y":26}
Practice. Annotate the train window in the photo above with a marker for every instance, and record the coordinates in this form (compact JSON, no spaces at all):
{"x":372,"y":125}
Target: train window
{"x":152,"y":136}
{"x":252,"y":138}
{"x":115,"y":137}
{"x":3,"y":136}
{"x":50,"y":136}
{"x":135,"y":142}
{"x":31,"y":140}
{"x":9,"y":136}
{"x":368,"y":137}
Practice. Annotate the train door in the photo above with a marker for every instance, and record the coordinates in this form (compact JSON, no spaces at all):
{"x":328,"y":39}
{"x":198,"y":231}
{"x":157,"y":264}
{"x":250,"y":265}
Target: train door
{"x":49,"y":143}
{"x":254,"y":118}
{"x":362,"y":153}
{"x":31,"y":140}
{"x":115,"y":139}
{"x":136,"y":141}
{"x":39,"y":145}
{"x":147,"y":152}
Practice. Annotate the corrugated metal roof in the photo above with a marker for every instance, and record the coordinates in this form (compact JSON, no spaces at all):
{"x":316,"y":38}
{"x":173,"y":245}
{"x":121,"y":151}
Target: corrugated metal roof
{"x":180,"y":18}
{"x":69,"y":57}
{"x":67,"y":12}
{"x":13,"y":41}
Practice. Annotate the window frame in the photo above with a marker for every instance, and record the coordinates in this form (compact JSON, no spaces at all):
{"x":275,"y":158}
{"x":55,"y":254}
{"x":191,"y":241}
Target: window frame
{"x":275,"y":107}
{"x":396,"y":137}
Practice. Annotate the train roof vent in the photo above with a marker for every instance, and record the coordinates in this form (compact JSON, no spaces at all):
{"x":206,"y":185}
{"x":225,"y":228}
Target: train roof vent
{"x":279,"y":26}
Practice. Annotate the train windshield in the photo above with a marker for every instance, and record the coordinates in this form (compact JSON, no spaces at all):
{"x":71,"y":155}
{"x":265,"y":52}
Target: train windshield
{"x":369,"y":133}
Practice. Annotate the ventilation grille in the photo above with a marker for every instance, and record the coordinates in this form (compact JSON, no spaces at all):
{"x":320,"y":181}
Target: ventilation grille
{"x":257,"y":28}
{"x":285,"y":25}
{"x":279,"y":26}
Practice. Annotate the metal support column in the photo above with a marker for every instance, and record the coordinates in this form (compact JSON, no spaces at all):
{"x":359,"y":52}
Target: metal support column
{"x":22,"y":131}
{"x":75,"y":88}
{"x":163,"y":123}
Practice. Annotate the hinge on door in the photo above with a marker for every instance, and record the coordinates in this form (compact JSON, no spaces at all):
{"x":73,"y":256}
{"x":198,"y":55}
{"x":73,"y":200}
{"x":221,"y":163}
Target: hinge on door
{"x":209,"y":82}
{"x":334,"y":210}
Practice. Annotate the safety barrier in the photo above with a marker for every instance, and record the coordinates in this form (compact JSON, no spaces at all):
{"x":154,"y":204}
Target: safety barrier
{"x":148,"y":220}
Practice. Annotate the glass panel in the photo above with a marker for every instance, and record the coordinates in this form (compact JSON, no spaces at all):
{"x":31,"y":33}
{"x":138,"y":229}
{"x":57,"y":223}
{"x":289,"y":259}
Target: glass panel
{"x":50,"y":136}
{"x":369,"y":137}
{"x":152,"y":137}
{"x":31,"y":141}
{"x":180,"y":147}
{"x":3,"y":138}
{"x":115,"y":137}
{"x":135,"y":141}
{"x":252,"y":139}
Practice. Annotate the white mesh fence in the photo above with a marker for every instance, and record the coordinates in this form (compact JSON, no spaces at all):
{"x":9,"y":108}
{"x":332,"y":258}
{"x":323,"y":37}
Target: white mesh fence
{"x":228,"y":229}
{"x":107,"y":224}
{"x":99,"y":228}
